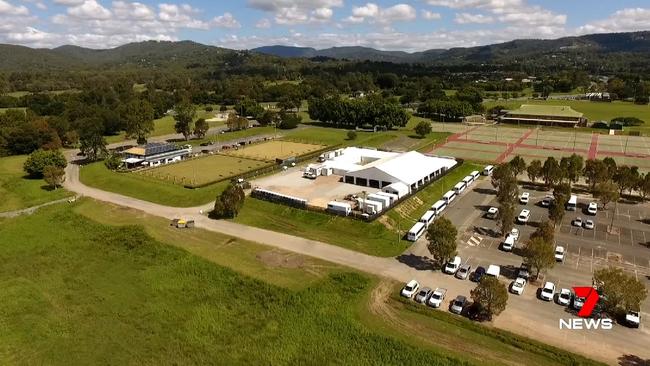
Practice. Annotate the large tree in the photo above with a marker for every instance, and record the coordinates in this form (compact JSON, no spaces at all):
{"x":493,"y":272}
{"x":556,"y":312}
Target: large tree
{"x":490,"y":296}
{"x":621,"y":291}
{"x":596,"y":172}
{"x":229,"y":203}
{"x":546,"y":231}
{"x":138,"y":118}
{"x":643,"y":185}
{"x":442,"y":239}
{"x":91,"y":139}
{"x":184,"y":114}
{"x":518,"y":165}
{"x":627,"y":178}
{"x":606,"y":192}
{"x":423,"y":128}
{"x":505,"y":182}
{"x":39,"y":160}
{"x":534,"y":170}
{"x":539,"y":255}
{"x":551,"y":171}
{"x":54,"y":176}
{"x":506,"y":217}
{"x":201,"y":128}
{"x":557,"y":210}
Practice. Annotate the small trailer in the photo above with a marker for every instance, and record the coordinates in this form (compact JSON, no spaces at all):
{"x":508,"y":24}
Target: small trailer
{"x":339,"y":208}
{"x":181,"y":223}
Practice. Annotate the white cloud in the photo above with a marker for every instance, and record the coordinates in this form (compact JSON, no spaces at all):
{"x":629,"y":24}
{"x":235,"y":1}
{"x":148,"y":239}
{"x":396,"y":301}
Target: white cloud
{"x":373,"y":13}
{"x":128,"y":10}
{"x":290,"y":12}
{"x":429,"y":15}
{"x":89,"y":9}
{"x":69,"y":2}
{"x":7,"y":8}
{"x":624,"y":20}
{"x":263,"y":24}
{"x":226,"y":21}
{"x":181,"y":16}
{"x":468,"y":18}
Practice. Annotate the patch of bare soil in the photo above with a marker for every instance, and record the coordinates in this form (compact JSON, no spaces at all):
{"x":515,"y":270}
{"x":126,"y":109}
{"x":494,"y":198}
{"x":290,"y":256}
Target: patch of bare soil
{"x":275,"y":259}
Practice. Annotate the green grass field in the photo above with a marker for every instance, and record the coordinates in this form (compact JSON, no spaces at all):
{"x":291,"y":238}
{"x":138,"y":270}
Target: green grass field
{"x":109,"y":292}
{"x":18,"y":192}
{"x":409,"y":212}
{"x":203,"y":170}
{"x":236,"y":135}
{"x":371,"y":238}
{"x":147,"y":188}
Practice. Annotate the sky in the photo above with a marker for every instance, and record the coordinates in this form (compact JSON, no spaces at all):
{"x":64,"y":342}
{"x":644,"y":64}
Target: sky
{"x":243,"y":24}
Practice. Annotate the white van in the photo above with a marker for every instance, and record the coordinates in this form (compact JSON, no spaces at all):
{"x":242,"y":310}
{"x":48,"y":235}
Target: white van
{"x":468,"y":180}
{"x":494,"y":271}
{"x":572,"y":205}
{"x":449,"y":196}
{"x":459,"y":187}
{"x":428,"y":218}
{"x":488,"y":170}
{"x":508,"y":244}
{"x":475,"y":174}
{"x":416,"y":232}
{"x":439,"y":206}
{"x":523,"y":216}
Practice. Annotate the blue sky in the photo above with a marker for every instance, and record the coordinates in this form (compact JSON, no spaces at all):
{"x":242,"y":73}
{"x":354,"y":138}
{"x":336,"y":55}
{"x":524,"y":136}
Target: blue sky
{"x":391,"y":25}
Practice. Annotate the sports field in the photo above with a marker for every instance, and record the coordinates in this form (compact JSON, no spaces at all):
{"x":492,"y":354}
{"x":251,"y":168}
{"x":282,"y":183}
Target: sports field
{"x":269,"y":151}
{"x":203,"y":170}
{"x":498,"y":143}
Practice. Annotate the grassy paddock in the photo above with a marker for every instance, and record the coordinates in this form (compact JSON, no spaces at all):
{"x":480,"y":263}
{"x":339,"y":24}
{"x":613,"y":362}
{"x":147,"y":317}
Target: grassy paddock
{"x":147,"y":188}
{"x":18,"y":192}
{"x":203,"y":170}
{"x":370,"y":238}
{"x":114,"y":295}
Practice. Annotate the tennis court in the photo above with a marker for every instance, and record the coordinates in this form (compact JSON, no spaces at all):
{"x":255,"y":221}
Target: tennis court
{"x":624,"y":144}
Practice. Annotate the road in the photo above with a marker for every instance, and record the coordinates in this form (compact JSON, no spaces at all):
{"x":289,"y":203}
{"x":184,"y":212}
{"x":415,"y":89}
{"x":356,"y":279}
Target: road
{"x":524,"y":315}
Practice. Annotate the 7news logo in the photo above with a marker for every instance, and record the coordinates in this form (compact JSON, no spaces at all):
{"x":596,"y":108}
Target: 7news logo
{"x":586,"y":321}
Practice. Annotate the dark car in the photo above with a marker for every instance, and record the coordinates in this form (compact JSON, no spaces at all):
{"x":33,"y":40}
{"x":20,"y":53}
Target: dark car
{"x":478,"y":274}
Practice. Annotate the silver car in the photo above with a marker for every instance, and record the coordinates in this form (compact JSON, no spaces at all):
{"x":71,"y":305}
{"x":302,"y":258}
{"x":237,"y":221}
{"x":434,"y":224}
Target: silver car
{"x":458,"y":305}
{"x":463,"y":272}
{"x":423,"y":295}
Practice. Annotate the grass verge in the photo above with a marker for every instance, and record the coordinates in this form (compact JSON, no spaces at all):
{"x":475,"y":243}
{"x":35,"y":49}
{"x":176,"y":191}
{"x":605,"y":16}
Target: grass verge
{"x":18,"y":192}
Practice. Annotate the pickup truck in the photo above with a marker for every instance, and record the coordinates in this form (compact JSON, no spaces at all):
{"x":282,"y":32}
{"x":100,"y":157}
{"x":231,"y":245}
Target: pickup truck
{"x":437,"y":297}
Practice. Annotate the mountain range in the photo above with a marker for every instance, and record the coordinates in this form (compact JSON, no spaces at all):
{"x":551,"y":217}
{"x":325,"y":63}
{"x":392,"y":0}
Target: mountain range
{"x":188,"y":54}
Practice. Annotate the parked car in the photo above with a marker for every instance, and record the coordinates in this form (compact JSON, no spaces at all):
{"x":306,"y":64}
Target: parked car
{"x":458,"y":304}
{"x":523,"y":199}
{"x":463,"y":272}
{"x":523,"y":272}
{"x":492,"y":213}
{"x":547,"y":291}
{"x":593,"y":208}
{"x":437,"y":297}
{"x":577,"y":222}
{"x":523,"y":217}
{"x":578,"y":302}
{"x":633,"y":319}
{"x":423,"y":295}
{"x":514,"y":233}
{"x":564,"y":297}
{"x":517,"y":286}
{"x":559,"y":253}
{"x":452,"y":266}
{"x":479,"y":272}
{"x":589,"y":224}
{"x":508,"y":244}
{"x":410,"y":288}
{"x":546,"y":202}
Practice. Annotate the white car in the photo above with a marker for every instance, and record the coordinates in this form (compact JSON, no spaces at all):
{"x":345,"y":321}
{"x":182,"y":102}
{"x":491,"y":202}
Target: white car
{"x":437,"y":297}
{"x":517,"y":286}
{"x":546,"y":202}
{"x":492,"y":213}
{"x":508,"y":244}
{"x":410,"y":288}
{"x":452,"y":266}
{"x":578,"y":302}
{"x":547,"y":291}
{"x":559,"y":253}
{"x":577,"y":222}
{"x":633,"y":319}
{"x":564,"y":297}
{"x":423,"y":295}
{"x":593,"y":208}
{"x":523,"y":217}
{"x":589,"y":224}
{"x":514,"y":233}
{"x":523,"y":199}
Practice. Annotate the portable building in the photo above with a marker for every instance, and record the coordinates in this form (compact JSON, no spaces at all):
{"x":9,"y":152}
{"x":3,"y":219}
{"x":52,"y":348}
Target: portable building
{"x":385,"y":201}
{"x":393,"y":197}
{"x":339,"y":208}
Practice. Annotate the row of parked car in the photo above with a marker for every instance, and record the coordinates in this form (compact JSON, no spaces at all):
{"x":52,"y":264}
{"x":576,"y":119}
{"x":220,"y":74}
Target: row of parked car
{"x":433,"y":298}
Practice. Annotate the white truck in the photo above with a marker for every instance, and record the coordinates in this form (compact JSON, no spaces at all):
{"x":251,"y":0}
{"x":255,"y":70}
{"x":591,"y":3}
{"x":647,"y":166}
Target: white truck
{"x":437,"y":297}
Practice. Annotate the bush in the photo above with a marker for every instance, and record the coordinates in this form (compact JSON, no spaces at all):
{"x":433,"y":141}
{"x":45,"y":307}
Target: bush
{"x":35,"y":165}
{"x":209,"y":109}
{"x":628,"y":121}
{"x":352,"y":135}
{"x":603,"y":125}
{"x":289,"y":121}
{"x":113,"y":162}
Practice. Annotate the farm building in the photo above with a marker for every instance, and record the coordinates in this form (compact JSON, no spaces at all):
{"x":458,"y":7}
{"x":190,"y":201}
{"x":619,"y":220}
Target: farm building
{"x":552,"y":115}
{"x":154,"y":154}
{"x":380,"y":169}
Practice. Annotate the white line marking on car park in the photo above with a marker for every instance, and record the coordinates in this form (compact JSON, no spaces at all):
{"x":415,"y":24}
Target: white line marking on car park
{"x":578,"y":260}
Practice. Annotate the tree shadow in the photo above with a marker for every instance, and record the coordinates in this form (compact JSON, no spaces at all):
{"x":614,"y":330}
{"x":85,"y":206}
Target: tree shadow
{"x":421,"y":263}
{"x":417,"y":137}
{"x":485,"y":191}
{"x":47,"y":187}
{"x":632,"y":360}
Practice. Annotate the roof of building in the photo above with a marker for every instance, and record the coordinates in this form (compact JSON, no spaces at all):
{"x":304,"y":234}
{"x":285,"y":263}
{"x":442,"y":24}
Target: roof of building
{"x":546,"y":110}
{"x":409,"y":167}
{"x":152,"y":148}
{"x":353,"y":158}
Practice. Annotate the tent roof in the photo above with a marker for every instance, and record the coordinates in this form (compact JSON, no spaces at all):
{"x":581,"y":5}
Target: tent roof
{"x":546,"y":110}
{"x":409,"y":167}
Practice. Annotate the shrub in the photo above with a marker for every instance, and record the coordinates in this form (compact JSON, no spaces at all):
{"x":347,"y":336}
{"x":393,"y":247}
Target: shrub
{"x":35,"y":165}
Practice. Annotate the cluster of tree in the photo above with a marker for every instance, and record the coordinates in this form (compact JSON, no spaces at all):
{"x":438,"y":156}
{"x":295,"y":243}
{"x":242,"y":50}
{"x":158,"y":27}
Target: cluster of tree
{"x":465,"y":102}
{"x":46,"y":164}
{"x":621,"y":292}
{"x":373,"y":111}
{"x":229,"y":202}
{"x":539,"y":250}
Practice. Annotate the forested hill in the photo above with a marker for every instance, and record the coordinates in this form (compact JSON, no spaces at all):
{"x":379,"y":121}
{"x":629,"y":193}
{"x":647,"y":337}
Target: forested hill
{"x":637,"y":42}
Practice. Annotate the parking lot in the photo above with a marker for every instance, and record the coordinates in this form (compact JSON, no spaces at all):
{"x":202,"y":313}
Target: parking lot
{"x":587,"y":250}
